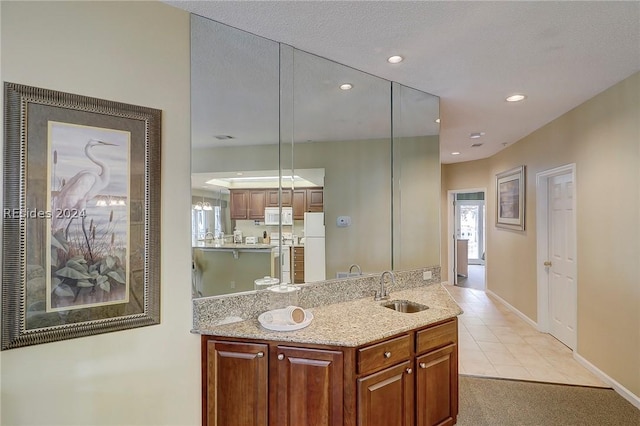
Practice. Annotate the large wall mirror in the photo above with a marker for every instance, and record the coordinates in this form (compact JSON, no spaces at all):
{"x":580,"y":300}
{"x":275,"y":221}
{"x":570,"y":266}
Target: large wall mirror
{"x":296,"y":177}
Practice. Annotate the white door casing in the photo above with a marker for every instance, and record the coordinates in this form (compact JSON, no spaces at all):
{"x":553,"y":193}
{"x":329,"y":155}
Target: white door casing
{"x":557,"y":261}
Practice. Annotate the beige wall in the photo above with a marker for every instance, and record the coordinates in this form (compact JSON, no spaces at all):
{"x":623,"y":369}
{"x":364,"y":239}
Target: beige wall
{"x":138,"y":53}
{"x":416,"y":202}
{"x":602,"y":137}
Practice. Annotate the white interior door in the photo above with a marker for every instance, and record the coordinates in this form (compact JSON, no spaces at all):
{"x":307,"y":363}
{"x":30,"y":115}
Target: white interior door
{"x":561,"y":264}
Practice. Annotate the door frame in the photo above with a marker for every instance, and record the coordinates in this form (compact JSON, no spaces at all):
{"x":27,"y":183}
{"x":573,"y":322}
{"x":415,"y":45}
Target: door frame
{"x":451,"y":264}
{"x":542,"y":241}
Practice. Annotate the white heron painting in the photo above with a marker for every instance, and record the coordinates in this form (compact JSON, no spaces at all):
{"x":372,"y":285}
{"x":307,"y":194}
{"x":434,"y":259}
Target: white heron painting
{"x":88,"y":200}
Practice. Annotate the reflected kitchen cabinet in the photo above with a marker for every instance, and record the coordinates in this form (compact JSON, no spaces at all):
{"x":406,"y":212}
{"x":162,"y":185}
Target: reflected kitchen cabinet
{"x":257,"y":202}
{"x":273,"y":198}
{"x":315,"y":199}
{"x":299,"y":203}
{"x":248,"y":204}
{"x":307,"y":200}
{"x":239,"y":201}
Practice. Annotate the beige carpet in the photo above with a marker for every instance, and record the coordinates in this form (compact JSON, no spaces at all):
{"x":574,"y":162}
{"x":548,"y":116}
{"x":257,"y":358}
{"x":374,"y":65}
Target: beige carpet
{"x":502,"y":402}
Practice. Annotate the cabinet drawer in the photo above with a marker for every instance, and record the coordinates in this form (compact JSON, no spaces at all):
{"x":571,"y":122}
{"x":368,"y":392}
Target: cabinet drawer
{"x":436,"y":337}
{"x":384,"y":354}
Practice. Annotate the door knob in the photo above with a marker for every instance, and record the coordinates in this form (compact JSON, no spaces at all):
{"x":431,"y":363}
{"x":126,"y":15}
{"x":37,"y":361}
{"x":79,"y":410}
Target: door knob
{"x":547,"y":264}
{"x":423,"y":365}
{"x":387,"y":354}
{"x":280,"y":357}
{"x":260,"y":354}
{"x":409,"y":371}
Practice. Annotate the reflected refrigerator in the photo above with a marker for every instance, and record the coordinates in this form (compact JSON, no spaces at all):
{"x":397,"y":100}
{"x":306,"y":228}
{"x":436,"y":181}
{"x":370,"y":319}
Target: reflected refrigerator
{"x":314,"y":257}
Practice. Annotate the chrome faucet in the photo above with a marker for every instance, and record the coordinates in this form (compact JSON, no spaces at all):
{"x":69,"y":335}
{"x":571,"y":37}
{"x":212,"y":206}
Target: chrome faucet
{"x":355,"y":265}
{"x":383,"y":294}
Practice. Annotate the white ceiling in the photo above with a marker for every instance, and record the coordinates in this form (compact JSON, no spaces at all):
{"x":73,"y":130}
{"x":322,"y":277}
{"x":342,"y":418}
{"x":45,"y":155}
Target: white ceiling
{"x":470,"y":54}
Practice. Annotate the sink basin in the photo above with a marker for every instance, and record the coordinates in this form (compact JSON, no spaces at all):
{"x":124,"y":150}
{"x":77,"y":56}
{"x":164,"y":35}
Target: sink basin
{"x":405,"y":306}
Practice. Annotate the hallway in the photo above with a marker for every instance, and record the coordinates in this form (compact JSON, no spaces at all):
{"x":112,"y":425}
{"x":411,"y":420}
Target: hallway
{"x":495,"y":342}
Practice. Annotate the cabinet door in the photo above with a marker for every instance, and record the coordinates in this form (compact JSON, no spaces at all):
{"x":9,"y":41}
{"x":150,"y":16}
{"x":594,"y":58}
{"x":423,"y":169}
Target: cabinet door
{"x":299,"y":203}
{"x":257,"y":201}
{"x":386,"y":398}
{"x":437,"y":387}
{"x":239,"y":200}
{"x":309,"y":387}
{"x":236,"y":384}
{"x":272,"y":197}
{"x":315,"y":199}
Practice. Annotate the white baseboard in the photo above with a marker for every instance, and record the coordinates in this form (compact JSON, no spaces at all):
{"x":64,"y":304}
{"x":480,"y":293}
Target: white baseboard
{"x":624,"y":392}
{"x":522,"y":316}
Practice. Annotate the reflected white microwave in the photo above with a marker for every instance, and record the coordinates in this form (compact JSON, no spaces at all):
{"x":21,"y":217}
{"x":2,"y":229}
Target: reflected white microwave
{"x":272,"y":216}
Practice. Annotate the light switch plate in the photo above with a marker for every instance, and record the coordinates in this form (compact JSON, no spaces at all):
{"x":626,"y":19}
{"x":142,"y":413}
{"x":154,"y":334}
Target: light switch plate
{"x":426,"y":275}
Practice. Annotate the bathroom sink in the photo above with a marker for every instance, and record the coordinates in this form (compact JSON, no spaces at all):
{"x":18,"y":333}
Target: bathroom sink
{"x":405,"y":306}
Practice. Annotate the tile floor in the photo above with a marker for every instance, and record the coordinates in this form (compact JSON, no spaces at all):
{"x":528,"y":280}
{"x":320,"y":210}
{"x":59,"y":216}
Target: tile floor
{"x":495,"y":342}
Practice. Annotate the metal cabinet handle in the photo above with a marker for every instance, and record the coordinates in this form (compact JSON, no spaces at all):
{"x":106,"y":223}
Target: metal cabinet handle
{"x":280,"y":357}
{"x":260,"y":354}
{"x":387,"y":354}
{"x":423,"y":365}
{"x":547,"y":264}
{"x":409,"y":371}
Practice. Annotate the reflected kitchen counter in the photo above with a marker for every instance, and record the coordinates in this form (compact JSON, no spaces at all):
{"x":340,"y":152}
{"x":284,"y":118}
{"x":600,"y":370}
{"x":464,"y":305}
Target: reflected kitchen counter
{"x":230,"y":268}
{"x":231,"y":246}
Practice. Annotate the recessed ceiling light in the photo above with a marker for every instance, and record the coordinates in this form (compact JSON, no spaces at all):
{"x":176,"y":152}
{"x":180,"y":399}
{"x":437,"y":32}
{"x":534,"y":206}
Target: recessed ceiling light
{"x":516,"y":98}
{"x":455,"y":153}
{"x":476,"y":145}
{"x":223,"y":137}
{"x":395,"y":59}
{"x":438,"y":120}
{"x":476,"y":135}
{"x":346,"y":86}
{"x":239,"y":173}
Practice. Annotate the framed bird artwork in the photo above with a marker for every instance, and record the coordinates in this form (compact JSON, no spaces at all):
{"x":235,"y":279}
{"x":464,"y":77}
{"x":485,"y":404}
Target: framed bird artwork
{"x":81,"y":220}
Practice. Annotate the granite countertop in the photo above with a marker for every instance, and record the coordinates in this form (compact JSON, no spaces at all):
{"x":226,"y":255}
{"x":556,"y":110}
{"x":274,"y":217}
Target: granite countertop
{"x":353,"y":323}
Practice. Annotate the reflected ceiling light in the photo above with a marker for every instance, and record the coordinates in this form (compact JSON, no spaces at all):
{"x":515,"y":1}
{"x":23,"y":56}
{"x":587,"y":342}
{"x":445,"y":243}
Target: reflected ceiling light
{"x":455,"y":153}
{"x":438,"y":120}
{"x":476,"y":135}
{"x":516,"y":98}
{"x":395,"y":59}
{"x":346,"y":86}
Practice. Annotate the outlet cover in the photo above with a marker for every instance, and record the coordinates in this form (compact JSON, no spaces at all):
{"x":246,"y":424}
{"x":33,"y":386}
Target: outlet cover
{"x":426,"y":275}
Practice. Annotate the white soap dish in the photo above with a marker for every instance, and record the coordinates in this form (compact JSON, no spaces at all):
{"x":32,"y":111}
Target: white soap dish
{"x":284,"y":327}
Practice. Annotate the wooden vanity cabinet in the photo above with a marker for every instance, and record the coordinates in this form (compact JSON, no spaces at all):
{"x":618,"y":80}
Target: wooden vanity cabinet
{"x":405,"y":380}
{"x":308,"y":387}
{"x":235,"y":384}
{"x":386,"y":397}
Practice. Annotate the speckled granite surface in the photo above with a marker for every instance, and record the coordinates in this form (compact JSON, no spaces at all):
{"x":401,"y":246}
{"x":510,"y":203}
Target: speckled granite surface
{"x":345,"y":313}
{"x":353,"y":323}
{"x":208,"y":311}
